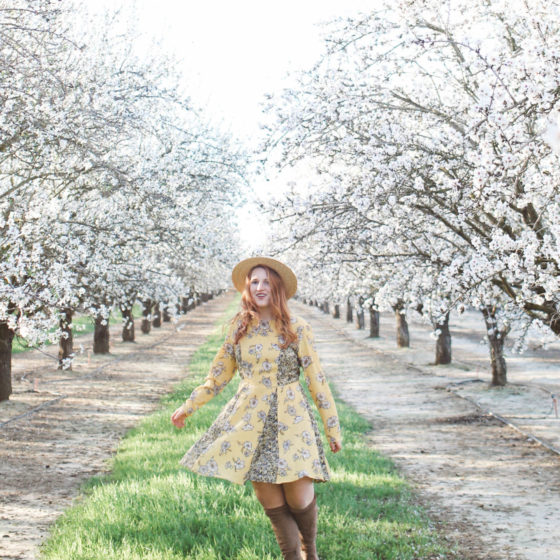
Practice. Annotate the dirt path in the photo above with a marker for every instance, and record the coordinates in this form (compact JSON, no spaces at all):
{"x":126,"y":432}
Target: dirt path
{"x":493,"y":493}
{"x":44,"y":456}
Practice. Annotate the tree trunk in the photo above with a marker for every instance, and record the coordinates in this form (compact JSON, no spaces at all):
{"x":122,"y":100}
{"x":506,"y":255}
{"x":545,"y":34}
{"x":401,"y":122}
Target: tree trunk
{"x":66,"y":342}
{"x":360,"y":318}
{"x":146,"y":316}
{"x":128,"y":323}
{"x":360,"y":314}
{"x":6,"y":337}
{"x":373,"y":322}
{"x":496,"y":340}
{"x":403,"y":338}
{"x":101,"y":335}
{"x":349,"y":318}
{"x":336,"y":313}
{"x":326,"y":307}
{"x":166,"y":315}
{"x":156,"y":322}
{"x":443,"y":342}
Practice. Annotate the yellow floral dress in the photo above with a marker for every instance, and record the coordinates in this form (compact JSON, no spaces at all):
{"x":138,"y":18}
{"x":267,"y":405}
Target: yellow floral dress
{"x":267,"y":431}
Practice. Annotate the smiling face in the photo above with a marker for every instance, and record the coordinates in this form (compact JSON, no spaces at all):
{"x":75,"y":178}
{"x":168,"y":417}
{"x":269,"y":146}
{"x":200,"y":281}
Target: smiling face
{"x":260,"y":288}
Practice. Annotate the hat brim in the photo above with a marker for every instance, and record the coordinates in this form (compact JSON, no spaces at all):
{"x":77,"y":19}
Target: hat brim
{"x":241,"y":269}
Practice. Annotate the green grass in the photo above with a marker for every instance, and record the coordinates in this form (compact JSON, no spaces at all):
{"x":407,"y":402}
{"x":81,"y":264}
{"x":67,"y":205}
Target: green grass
{"x":150,"y":508}
{"x":81,"y":324}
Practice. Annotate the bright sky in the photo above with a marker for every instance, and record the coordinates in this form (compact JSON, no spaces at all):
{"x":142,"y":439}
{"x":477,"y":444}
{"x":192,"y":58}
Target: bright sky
{"x":234,"y":52}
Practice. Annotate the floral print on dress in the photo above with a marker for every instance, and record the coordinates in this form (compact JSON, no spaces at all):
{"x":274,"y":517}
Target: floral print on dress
{"x":247,"y":426}
{"x":256,"y":350}
{"x":265,"y":464}
{"x":253,"y":402}
{"x":245,"y":369}
{"x":247,"y":448}
{"x":210,"y":468}
{"x":306,"y":437}
{"x":266,"y":366}
{"x":283,"y":467}
{"x":263,"y":328}
{"x":282,"y":427}
{"x":332,"y":422}
{"x":288,"y":365}
{"x":306,"y":361}
{"x":323,"y":401}
{"x":267,"y":432}
{"x":304,"y":453}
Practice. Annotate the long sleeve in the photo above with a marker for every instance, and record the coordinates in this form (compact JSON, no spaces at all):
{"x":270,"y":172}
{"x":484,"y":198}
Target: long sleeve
{"x":221,"y":372}
{"x":317,"y":382}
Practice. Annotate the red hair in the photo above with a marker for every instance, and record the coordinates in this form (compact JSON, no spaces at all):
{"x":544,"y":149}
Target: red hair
{"x":278,"y":304}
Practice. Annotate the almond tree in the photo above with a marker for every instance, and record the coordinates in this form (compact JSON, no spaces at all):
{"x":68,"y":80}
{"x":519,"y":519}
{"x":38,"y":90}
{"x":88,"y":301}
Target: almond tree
{"x":111,"y":184}
{"x":427,"y":118}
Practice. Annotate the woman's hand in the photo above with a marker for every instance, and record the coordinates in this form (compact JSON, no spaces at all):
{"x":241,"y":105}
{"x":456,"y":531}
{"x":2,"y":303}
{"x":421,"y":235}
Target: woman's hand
{"x":178,"y":418}
{"x":336,"y":446}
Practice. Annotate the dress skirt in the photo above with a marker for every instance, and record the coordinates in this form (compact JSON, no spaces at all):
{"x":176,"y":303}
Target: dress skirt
{"x":262,"y":436}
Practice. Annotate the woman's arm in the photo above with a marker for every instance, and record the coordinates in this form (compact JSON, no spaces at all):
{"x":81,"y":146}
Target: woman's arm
{"x":318,"y":386}
{"x":221,"y":372}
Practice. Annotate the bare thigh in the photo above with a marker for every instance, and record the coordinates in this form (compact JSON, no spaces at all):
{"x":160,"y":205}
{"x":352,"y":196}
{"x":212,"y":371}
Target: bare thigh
{"x":269,"y":495}
{"x":298,"y":494}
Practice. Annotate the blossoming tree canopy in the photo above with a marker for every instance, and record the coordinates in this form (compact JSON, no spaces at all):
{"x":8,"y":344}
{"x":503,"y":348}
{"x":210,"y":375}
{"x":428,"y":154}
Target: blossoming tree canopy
{"x":426,"y":122}
{"x":112,"y":186}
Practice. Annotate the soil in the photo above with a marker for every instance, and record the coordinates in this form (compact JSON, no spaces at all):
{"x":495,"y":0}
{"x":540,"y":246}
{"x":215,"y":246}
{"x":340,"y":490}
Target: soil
{"x":46,"y":453}
{"x":492,"y":492}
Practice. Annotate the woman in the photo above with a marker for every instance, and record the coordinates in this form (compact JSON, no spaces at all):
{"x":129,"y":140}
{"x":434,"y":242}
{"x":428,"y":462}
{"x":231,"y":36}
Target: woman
{"x":267,"y":433}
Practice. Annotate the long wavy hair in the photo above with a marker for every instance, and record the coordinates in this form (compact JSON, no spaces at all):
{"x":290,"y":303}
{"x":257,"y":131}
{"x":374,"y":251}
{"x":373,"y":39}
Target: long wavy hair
{"x":278,"y":304}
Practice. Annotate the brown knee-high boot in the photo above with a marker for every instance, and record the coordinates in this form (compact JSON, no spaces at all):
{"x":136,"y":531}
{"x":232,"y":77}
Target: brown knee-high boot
{"x":306,"y":520}
{"x":286,"y":531}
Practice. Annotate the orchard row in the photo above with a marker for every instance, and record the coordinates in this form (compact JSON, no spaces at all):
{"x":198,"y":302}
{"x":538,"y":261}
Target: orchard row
{"x":113,"y":187}
{"x":424,"y":146}
{"x":154,"y":313}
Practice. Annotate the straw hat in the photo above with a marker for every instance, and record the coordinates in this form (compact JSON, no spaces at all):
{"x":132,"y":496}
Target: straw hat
{"x":241,"y":269}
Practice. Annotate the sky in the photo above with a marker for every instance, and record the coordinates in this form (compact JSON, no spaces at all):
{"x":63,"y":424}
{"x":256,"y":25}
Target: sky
{"x":232,"y":53}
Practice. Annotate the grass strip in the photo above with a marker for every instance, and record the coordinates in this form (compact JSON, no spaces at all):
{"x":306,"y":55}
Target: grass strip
{"x":150,"y":508}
